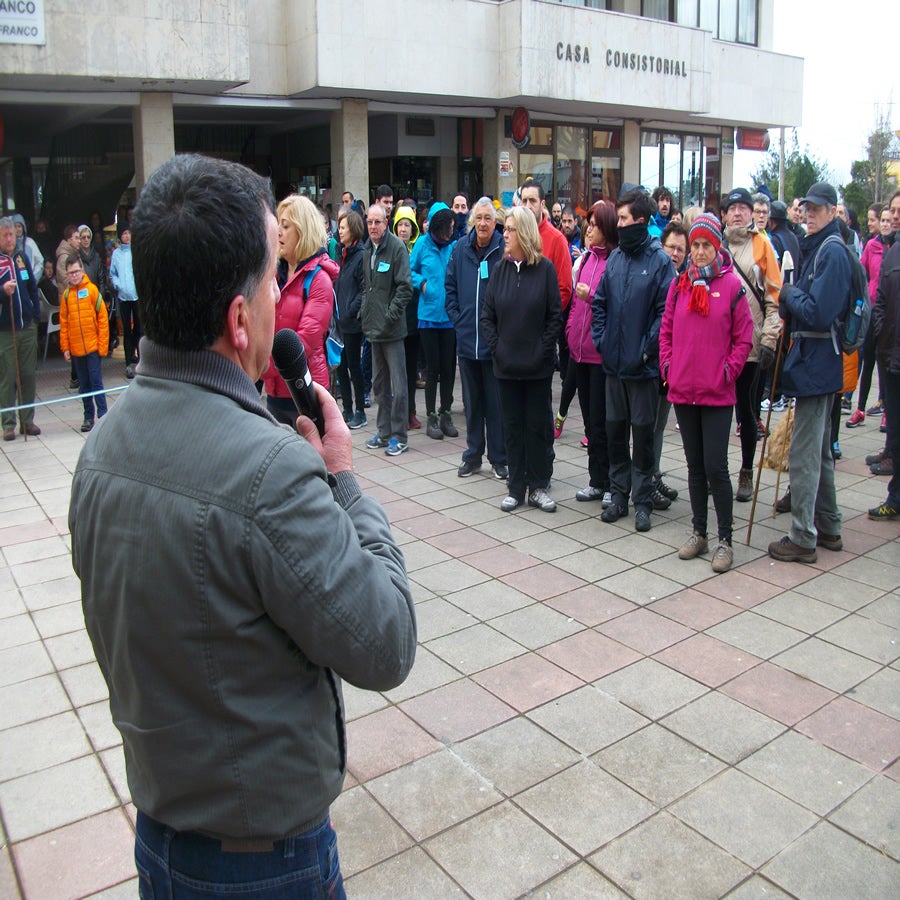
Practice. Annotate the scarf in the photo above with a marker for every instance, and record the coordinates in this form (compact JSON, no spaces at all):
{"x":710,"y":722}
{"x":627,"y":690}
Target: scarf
{"x":631,"y":237}
{"x":698,"y":279}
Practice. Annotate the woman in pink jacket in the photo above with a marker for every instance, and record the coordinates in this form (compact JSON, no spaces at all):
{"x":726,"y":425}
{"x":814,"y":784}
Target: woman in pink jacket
{"x":307,"y":298}
{"x":601,"y":238}
{"x":704,"y":342}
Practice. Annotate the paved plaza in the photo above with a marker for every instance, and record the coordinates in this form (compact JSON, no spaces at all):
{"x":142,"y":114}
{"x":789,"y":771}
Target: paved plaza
{"x":588,"y":716}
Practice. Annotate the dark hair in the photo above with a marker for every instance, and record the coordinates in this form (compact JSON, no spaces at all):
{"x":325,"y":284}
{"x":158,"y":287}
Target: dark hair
{"x":354,"y":223}
{"x":663,"y":193}
{"x":462,"y":194}
{"x":73,"y":259}
{"x":69,"y":230}
{"x":570,"y":210}
{"x":638,"y":203}
{"x":200,"y":238}
{"x":533,"y":183}
{"x":675,"y":228}
{"x":383,"y":190}
{"x":352,"y":198}
{"x":604,"y":215}
{"x":440,"y":226}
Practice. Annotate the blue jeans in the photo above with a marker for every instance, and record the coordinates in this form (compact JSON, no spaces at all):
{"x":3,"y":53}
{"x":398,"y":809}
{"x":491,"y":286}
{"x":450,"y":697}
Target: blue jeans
{"x":189,"y":866}
{"x":90,"y":378}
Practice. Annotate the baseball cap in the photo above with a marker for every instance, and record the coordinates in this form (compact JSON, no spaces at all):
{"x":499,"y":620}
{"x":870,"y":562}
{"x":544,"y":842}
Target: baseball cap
{"x":778,"y":212}
{"x":821,"y":194}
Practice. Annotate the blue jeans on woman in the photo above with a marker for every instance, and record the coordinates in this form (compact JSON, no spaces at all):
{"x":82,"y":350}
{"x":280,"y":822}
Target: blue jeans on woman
{"x":186,"y":865}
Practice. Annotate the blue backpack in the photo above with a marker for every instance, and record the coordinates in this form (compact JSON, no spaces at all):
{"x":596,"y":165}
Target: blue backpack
{"x":334,"y":340}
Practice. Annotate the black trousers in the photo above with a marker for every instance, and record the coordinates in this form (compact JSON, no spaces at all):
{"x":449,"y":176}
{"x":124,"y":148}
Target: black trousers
{"x":747,"y":411}
{"x":704,"y":433}
{"x":131,"y":329}
{"x":631,"y":406}
{"x":350,"y":372}
{"x":590,"y":379}
{"x":528,"y":428}
{"x":411,"y":349}
{"x":439,"y":345}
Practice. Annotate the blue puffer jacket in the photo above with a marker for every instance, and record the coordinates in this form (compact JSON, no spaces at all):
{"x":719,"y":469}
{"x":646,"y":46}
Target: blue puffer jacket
{"x":628,"y":309}
{"x":814,"y":366}
{"x":466,"y":286}
{"x":428,"y":267}
{"x":121,"y":273}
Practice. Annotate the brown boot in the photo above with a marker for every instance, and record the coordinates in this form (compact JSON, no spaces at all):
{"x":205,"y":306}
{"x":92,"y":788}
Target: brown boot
{"x":745,"y":486}
{"x":784,"y":504}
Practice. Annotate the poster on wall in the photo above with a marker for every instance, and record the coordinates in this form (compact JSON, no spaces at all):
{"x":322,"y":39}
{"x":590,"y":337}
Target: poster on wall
{"x":22,"y":22}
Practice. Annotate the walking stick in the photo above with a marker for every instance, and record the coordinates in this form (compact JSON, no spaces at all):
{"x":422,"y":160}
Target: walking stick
{"x":762,"y":450}
{"x":12,"y":325}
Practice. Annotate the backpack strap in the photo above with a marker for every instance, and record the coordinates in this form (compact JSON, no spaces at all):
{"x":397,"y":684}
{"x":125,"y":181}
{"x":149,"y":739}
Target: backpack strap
{"x":307,"y":281}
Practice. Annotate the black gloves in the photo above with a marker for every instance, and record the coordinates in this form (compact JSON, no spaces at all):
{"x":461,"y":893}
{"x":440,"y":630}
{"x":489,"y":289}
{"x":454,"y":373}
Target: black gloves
{"x":766,"y":358}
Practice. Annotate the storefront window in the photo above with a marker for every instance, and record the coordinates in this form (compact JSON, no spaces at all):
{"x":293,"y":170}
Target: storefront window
{"x":606,"y":165}
{"x":687,"y":164}
{"x":728,"y":20}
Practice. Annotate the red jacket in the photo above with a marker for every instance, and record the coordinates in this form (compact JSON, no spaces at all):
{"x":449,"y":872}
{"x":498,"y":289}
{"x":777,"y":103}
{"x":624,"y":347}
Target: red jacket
{"x":309,"y":317}
{"x":701,"y":356}
{"x":556,"y":249}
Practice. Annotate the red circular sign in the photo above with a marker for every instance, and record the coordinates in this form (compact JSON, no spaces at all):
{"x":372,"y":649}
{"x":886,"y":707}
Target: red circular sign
{"x":521,"y":127}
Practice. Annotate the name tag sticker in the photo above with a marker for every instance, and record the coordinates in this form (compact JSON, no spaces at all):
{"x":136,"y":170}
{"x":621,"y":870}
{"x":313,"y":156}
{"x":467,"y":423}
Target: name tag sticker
{"x":483,"y":269}
{"x":384,"y":267}
{"x":24,"y":273}
{"x":82,"y":293}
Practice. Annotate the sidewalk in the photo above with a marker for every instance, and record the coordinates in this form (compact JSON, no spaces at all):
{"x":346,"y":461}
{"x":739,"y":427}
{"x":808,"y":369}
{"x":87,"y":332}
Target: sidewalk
{"x":588,"y":715}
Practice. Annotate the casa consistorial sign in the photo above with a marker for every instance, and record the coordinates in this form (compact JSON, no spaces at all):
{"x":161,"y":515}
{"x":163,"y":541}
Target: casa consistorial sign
{"x":646,"y":62}
{"x":22,"y":22}
{"x":572,"y":52}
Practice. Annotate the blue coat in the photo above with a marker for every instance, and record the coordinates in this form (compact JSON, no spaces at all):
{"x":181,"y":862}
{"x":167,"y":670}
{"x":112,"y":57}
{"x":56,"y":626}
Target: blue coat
{"x":466,"y":286}
{"x":628,"y":309}
{"x":121,"y":273}
{"x":428,"y":267}
{"x":814,"y":365}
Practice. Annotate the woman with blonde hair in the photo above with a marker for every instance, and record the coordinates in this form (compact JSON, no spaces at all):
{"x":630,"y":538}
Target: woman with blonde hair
{"x":521,"y":321}
{"x":307,"y":297}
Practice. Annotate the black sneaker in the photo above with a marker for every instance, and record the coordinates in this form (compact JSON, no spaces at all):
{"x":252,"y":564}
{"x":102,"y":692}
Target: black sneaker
{"x":87,"y":425}
{"x":642,"y":520}
{"x":659,"y":500}
{"x":468,"y":468}
{"x":885,"y":512}
{"x":665,"y":489}
{"x":613,"y":512}
{"x":501,"y":472}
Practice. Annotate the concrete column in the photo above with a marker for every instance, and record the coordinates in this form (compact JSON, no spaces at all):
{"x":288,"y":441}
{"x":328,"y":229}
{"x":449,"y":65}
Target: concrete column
{"x":350,"y":150}
{"x":498,"y":150}
{"x":631,"y":152}
{"x":727,"y":166}
{"x":448,"y":178}
{"x":154,"y":135}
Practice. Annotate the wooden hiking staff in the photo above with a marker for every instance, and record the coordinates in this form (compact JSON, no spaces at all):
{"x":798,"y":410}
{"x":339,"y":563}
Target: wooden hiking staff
{"x":12,"y":325}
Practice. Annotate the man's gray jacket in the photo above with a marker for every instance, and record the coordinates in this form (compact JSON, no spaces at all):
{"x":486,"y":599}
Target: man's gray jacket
{"x":387,"y":289}
{"x":227,"y":588}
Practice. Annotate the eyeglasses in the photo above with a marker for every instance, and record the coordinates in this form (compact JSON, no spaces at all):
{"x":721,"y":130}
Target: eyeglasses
{"x":508,"y":229}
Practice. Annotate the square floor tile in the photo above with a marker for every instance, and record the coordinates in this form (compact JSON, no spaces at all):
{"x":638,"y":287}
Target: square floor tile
{"x":457,"y":711}
{"x":79,"y":859}
{"x":55,"y":797}
{"x":581,"y":880}
{"x":410,"y":874}
{"x":872,"y":814}
{"x":429,"y":672}
{"x":744,"y":817}
{"x":591,"y":564}
{"x":841,"y":592}
{"x":641,"y":586}
{"x":437,"y":617}
{"x":23,"y":663}
{"x":805,"y":771}
{"x":826,"y":664}
{"x":828,"y":864}
{"x":515,"y":755}
{"x":385,"y":741}
{"x":739,"y":588}
{"x":536,"y":625}
{"x":756,"y":634}
{"x":588,"y":719}
{"x":695,"y":609}
{"x":780,"y":574}
{"x":866,"y":637}
{"x":29,"y":700}
{"x":856,"y":731}
{"x":527,"y":681}
{"x":865,"y":570}
{"x":777,"y":693}
{"x":17,"y":631}
{"x":645,"y":631}
{"x":885,"y":609}
{"x":475,"y":648}
{"x":500,"y":560}
{"x":41,"y":744}
{"x":489,"y":600}
{"x":509,"y":834}
{"x":650,"y":688}
{"x":432,"y":794}
{"x":589,"y":655}
{"x":543,"y":581}
{"x":707,"y":660}
{"x":724,"y":727}
{"x":801,"y":612}
{"x":590,"y":605}
{"x":447,"y":577}
{"x":881,"y":692}
{"x":658,"y":764}
{"x":663,"y":858}
{"x":585,"y":807}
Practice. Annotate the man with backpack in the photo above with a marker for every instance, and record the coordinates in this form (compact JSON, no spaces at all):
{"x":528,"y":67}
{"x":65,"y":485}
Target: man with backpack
{"x":813,"y":308}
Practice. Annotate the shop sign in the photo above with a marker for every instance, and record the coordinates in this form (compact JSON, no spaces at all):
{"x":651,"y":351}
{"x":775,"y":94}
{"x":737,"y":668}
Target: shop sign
{"x":753,"y":139}
{"x":22,"y":22}
{"x":521,"y":128}
{"x":572,"y":53}
{"x":645,"y":62}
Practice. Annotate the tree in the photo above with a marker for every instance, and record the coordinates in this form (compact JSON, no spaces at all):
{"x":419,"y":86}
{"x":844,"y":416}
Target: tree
{"x":801,"y":170}
{"x":869,"y":179}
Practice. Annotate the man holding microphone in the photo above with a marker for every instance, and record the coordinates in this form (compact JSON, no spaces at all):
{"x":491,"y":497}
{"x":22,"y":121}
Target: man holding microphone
{"x":248,"y":574}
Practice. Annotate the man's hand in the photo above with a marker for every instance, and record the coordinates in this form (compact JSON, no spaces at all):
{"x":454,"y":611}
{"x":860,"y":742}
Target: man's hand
{"x":583,"y":291}
{"x":785,"y":292}
{"x":9,"y":288}
{"x":766,"y":358}
{"x":335,"y":446}
{"x":67,"y":355}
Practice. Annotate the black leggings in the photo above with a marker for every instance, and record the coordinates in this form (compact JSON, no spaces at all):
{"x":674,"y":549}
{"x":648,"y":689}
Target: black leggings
{"x":704,"y":433}
{"x":439,"y":345}
{"x":868,"y":367}
{"x":747,"y":412}
{"x":350,"y":372}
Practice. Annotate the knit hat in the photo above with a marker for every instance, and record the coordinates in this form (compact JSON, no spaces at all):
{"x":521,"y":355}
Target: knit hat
{"x":738,"y":195}
{"x":709,"y":227}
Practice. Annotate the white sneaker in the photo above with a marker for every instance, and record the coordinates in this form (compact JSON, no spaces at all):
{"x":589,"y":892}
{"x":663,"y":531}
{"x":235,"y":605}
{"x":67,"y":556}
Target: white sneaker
{"x":508,"y":504}
{"x":542,"y":500}
{"x":607,"y":499}
{"x":764,"y":406}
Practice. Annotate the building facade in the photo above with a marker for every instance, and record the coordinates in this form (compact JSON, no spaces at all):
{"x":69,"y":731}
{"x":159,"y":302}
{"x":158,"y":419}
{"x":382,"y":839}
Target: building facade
{"x":426,"y":95}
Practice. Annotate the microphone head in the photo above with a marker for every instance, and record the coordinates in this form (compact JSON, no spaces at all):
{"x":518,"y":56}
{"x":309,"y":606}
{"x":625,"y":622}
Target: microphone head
{"x":287,"y":349}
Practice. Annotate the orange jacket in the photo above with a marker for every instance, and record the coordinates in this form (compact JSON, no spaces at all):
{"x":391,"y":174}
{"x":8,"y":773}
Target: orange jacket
{"x":83,"y":320}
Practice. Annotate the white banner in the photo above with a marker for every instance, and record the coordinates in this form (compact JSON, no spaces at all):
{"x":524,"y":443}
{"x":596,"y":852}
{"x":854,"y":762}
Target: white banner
{"x":22,"y":22}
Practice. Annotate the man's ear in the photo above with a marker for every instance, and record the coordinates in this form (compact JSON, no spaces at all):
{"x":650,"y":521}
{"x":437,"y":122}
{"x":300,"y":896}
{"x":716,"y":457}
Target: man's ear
{"x":237,"y":328}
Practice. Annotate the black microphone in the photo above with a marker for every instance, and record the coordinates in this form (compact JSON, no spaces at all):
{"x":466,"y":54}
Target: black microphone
{"x":290,"y":360}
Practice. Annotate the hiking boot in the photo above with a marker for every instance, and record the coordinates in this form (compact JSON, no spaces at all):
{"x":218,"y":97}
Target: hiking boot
{"x":613,"y":512}
{"x":558,"y":424}
{"x":784,"y":504}
{"x":447,"y":426}
{"x":468,"y":468}
{"x":695,"y":545}
{"x":542,"y":500}
{"x":642,"y":520}
{"x":787,"y":551}
{"x":589,"y":493}
{"x":73,"y":384}
{"x":874,"y":458}
{"x":87,"y":425}
{"x":885,"y":512}
{"x":9,"y":434}
{"x":885,"y":467}
{"x":665,"y":489}
{"x":129,"y":371}
{"x":508,"y":504}
{"x":723,"y":557}
{"x":357,"y":420}
{"x":377,"y":442}
{"x":829,"y":541}
{"x":858,"y":418}
{"x":501,"y":472}
{"x":414,"y":423}
{"x":660,"y":501}
{"x":433,"y":428}
{"x":396,"y":447}
{"x":745,"y":486}
{"x":31,"y":430}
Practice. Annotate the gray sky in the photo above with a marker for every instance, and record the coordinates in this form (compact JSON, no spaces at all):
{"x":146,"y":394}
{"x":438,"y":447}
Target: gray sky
{"x":847,"y":78}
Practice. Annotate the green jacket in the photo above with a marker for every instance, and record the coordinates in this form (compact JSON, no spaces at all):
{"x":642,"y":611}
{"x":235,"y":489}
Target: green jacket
{"x":387,"y":289}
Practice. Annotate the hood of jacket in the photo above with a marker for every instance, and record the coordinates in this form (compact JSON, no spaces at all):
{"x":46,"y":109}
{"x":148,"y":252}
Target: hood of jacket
{"x":20,"y":219}
{"x":407,"y":213}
